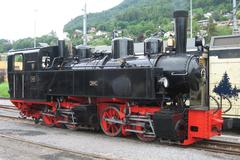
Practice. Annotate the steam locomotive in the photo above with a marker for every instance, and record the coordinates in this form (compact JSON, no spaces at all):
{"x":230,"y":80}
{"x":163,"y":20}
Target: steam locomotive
{"x":156,"y":95}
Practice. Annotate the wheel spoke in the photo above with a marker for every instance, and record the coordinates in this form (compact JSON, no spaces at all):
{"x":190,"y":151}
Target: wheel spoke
{"x":48,"y":120}
{"x":115,"y":127}
{"x":111,"y":112}
{"x":106,"y":114}
{"x":110,"y":128}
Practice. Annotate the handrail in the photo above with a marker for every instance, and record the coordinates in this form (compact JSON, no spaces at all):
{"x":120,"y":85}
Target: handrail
{"x":218,"y":105}
{"x":230,"y":104}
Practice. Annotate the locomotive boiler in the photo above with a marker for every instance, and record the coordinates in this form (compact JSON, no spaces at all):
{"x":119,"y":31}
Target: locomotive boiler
{"x":154,"y":95}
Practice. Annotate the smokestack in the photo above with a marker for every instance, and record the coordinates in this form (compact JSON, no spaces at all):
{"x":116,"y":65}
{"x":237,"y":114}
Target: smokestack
{"x":181,"y":22}
{"x":61,"y":48}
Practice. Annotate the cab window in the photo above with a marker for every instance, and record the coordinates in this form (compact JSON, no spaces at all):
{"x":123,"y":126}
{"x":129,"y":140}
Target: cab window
{"x":30,"y":61}
{"x":18,"y":62}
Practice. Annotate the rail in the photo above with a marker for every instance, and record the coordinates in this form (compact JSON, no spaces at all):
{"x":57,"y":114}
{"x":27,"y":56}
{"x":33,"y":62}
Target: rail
{"x":8,"y":107}
{"x":219,"y":147}
{"x":215,"y":146}
{"x":207,"y":145}
{"x":15,"y":118}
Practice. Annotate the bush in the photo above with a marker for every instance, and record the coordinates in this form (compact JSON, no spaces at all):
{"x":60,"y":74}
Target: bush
{"x":4,"y":90}
{"x":100,"y":41}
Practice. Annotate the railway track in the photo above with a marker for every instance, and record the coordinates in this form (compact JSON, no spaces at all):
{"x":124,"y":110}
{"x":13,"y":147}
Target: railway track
{"x":83,"y":155}
{"x":208,"y":145}
{"x":17,"y":119}
{"x":5,"y":105}
{"x":219,"y":147}
{"x":8,"y":107}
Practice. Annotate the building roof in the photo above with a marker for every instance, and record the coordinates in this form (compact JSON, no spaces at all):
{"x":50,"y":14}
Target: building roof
{"x":139,"y":47}
{"x":229,"y":41}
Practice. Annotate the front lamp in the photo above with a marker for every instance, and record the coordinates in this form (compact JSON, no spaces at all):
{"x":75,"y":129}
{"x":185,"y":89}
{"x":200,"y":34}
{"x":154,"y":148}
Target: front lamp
{"x":164,"y":82}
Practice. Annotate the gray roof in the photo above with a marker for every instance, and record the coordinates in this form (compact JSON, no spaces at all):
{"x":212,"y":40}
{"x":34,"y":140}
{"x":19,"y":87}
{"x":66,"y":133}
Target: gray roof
{"x":230,"y":41}
{"x":139,"y":47}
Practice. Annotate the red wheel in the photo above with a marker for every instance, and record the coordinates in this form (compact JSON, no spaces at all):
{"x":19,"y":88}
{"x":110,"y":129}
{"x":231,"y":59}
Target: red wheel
{"x":69,"y":124}
{"x":143,"y":137}
{"x":109,"y":127}
{"x":52,"y":121}
{"x":48,"y":120}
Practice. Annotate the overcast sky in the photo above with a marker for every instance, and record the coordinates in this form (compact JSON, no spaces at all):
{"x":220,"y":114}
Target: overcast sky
{"x":17,"y":16}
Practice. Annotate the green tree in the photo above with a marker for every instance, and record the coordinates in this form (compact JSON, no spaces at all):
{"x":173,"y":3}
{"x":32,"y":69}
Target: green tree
{"x":5,"y":45}
{"x":198,"y":13}
{"x":196,"y":27}
{"x":211,"y":29}
{"x":23,"y":43}
{"x":50,"y":39}
{"x":148,"y":33}
{"x":138,"y":17}
{"x":238,"y":14}
{"x":223,"y":30}
{"x":100,"y":41}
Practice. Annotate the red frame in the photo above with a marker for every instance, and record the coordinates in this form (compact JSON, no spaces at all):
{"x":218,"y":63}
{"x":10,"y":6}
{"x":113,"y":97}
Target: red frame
{"x":208,"y":122}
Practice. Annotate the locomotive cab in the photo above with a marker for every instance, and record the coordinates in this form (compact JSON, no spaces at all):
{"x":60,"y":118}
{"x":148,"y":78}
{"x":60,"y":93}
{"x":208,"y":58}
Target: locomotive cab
{"x":23,"y":69}
{"x":19,"y":63}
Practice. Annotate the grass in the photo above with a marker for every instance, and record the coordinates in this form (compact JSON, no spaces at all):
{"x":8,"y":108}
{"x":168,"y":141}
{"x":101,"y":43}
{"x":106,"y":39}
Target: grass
{"x":4,"y":90}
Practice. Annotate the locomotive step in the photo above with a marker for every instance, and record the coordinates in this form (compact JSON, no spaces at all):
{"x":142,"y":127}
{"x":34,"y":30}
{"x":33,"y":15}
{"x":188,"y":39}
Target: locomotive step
{"x":137,"y":124}
{"x":136,"y":116}
{"x":140,"y":119}
{"x":150,"y":134}
{"x":67,"y":112}
{"x":65,"y":122}
{"x":48,"y":114}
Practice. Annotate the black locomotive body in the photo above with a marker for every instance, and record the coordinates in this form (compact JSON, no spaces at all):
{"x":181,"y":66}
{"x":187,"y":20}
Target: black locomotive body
{"x":120,"y":92}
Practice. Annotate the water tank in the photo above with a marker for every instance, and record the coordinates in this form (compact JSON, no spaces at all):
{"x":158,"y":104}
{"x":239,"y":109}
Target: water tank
{"x":122,"y":47}
{"x":153,"y":46}
{"x":83,"y":52}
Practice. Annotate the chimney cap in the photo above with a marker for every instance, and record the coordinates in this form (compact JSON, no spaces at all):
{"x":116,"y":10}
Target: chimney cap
{"x":180,"y":13}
